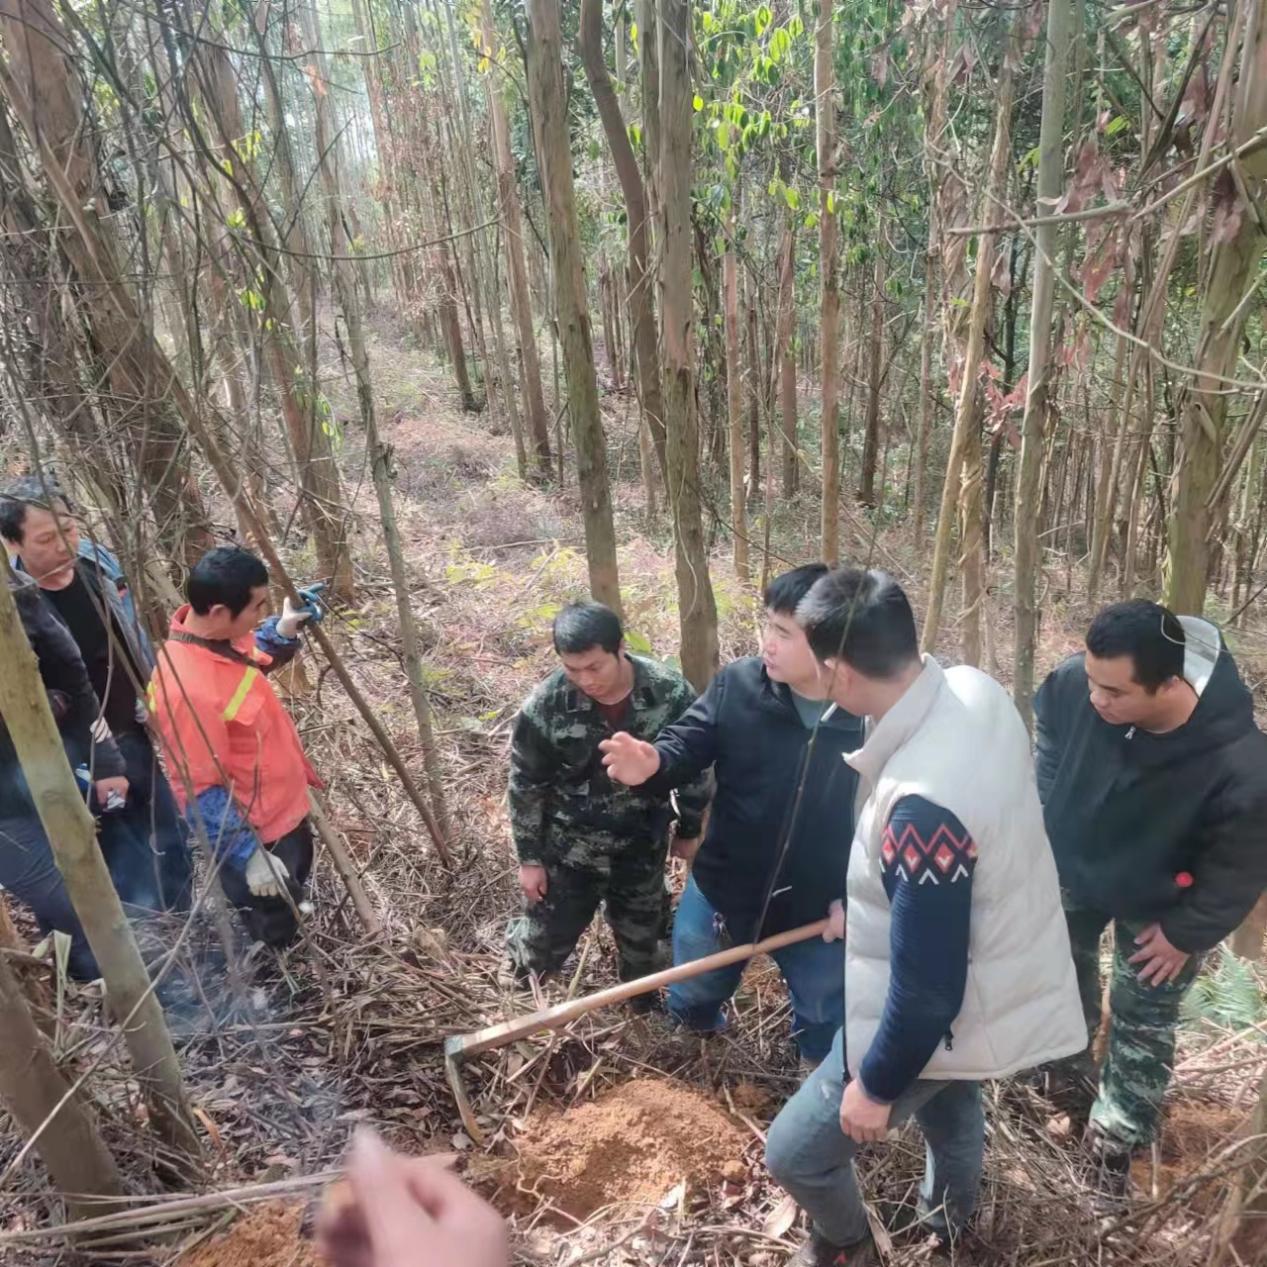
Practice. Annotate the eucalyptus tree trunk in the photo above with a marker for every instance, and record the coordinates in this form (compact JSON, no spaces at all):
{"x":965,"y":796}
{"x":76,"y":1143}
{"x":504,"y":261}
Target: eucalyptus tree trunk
{"x":516,"y":269}
{"x":1231,"y":266}
{"x":638,"y":218}
{"x":785,"y":344}
{"x":45,"y":97}
{"x":734,"y":401}
{"x":828,"y":274}
{"x":219,"y":134}
{"x":697,"y":609}
{"x":963,"y":482}
{"x":1051,"y":166}
{"x":329,"y":150}
{"x":38,"y":1099}
{"x":875,"y":374}
{"x":548,"y":108}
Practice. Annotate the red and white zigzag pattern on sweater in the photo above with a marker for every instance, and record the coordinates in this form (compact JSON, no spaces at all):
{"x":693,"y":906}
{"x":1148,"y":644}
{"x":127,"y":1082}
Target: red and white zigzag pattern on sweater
{"x":943,"y":856}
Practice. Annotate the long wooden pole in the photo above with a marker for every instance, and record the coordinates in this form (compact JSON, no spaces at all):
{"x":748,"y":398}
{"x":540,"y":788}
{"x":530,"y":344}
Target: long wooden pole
{"x":463,"y":1045}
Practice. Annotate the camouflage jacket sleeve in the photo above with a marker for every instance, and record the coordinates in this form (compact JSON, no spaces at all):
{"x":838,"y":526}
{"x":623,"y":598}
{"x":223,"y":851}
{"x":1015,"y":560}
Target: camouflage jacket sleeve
{"x":692,"y":796}
{"x":531,"y":777}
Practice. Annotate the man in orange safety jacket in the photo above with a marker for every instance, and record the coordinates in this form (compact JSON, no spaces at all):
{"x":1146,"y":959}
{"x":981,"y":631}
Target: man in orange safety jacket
{"x":237,"y":763}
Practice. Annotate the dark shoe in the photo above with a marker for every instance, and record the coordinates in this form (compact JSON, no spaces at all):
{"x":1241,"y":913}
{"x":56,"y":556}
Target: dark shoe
{"x":645,"y":1004}
{"x":1108,"y":1172}
{"x":818,"y":1251}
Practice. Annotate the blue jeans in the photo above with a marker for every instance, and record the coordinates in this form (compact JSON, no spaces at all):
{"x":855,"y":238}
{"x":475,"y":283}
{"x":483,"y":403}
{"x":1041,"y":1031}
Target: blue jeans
{"x":810,"y":1156}
{"x":814,"y":971}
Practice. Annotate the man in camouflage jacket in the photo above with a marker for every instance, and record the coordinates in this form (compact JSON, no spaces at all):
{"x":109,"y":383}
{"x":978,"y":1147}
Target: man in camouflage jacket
{"x":582,"y":838}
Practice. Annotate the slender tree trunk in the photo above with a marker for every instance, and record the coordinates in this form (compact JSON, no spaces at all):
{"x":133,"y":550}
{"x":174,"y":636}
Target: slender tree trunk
{"x":1223,"y":316}
{"x":33,"y":1091}
{"x":734,"y":401}
{"x":924,"y":426}
{"x":829,"y":274}
{"x":72,"y":835}
{"x":755,"y":384}
{"x":637,"y":216}
{"x":963,"y":465}
{"x":785,"y":341}
{"x":320,"y":486}
{"x":545,"y":87}
{"x":871,"y":435}
{"x":1050,"y":183}
{"x":329,"y":151}
{"x":697,"y":610}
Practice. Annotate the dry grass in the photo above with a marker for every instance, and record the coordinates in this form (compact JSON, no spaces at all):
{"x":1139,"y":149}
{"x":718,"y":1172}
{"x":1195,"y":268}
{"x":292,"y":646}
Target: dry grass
{"x":343,"y":1029}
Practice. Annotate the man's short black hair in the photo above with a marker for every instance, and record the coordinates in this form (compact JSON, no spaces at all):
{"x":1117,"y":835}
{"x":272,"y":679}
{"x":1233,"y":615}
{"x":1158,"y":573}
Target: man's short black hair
{"x":28,"y":490}
{"x":1149,"y":633}
{"x":862,"y":618}
{"x":225,"y":577}
{"x":581,"y":626}
{"x":785,"y":592}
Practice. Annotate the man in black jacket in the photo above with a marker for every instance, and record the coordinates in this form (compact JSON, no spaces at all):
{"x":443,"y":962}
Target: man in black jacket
{"x":83,"y":587}
{"x":27,"y":869}
{"x":1153,"y":778}
{"x":777,"y":845}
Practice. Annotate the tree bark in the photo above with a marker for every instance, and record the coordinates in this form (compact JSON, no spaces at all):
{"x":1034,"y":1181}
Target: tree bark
{"x":829,"y":275}
{"x":1050,"y":183}
{"x":72,"y":836}
{"x":1223,"y":316}
{"x":697,"y":610}
{"x":329,"y":151}
{"x":545,"y":87}
{"x":963,"y":465}
{"x":871,"y":434}
{"x":925,"y":424}
{"x":734,"y":401}
{"x":786,"y":352}
{"x":38,"y":1098}
{"x":638,"y":217}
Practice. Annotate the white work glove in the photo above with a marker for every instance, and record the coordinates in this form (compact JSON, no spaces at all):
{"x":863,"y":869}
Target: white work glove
{"x":292,"y":617}
{"x":266,"y":875}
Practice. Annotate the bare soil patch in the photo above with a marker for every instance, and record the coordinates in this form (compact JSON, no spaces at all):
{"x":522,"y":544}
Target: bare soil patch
{"x":269,"y":1236}
{"x":631,"y":1146}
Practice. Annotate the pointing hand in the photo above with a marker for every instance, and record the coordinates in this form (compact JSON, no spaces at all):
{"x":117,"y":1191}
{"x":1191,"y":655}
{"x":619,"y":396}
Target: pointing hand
{"x":628,"y":760}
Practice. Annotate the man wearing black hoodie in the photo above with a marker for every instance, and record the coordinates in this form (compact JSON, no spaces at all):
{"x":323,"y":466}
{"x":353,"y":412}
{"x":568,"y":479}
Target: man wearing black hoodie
{"x":1153,"y":778}
{"x":777,"y":845}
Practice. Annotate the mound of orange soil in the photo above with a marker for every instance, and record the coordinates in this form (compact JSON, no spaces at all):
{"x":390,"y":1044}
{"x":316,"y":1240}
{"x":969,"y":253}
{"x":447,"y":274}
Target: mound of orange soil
{"x":268,"y":1236}
{"x":632,"y":1145}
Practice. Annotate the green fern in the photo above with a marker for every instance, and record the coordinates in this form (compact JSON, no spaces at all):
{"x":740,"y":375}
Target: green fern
{"x":1229,"y":993}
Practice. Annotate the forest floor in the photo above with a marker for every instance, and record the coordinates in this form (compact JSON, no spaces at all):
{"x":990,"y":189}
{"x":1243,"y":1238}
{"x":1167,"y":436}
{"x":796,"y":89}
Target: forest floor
{"x":617,"y":1141}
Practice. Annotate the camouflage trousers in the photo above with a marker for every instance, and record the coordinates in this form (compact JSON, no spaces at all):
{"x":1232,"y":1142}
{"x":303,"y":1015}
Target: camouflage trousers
{"x":1140,"y":1056}
{"x":630,"y":885}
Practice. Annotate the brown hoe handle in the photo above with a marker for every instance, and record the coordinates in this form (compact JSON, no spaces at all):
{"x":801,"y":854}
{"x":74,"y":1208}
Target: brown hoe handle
{"x":560,"y":1013}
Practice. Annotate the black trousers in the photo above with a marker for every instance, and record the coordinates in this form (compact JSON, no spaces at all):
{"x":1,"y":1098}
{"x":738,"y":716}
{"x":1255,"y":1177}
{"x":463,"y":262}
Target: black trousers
{"x":272,"y":919}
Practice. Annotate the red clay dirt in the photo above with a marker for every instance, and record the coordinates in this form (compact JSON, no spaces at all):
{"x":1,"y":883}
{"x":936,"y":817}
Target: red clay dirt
{"x":1191,"y":1132}
{"x":632,"y":1145}
{"x":268,"y":1236}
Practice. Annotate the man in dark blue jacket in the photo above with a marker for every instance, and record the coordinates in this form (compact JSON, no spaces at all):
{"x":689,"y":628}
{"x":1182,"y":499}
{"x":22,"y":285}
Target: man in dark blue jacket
{"x":777,"y":845}
{"x":1153,"y":778}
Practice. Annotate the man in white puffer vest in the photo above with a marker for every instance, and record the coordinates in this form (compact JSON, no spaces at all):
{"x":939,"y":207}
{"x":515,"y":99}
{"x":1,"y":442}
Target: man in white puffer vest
{"x":957,"y":960}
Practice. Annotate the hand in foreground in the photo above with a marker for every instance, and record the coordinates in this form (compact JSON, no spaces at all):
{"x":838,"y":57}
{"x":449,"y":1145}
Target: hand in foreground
{"x":1159,"y":961}
{"x":408,"y":1212}
{"x":533,"y":881}
{"x":861,"y":1118}
{"x":266,"y":874}
{"x":685,"y":847}
{"x":835,"y":930}
{"x":629,"y":760}
{"x":112,"y":794}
